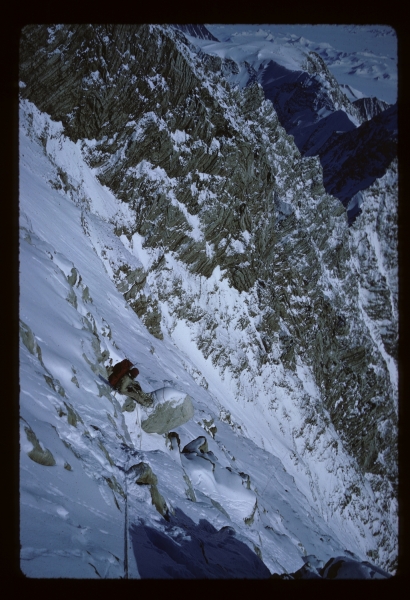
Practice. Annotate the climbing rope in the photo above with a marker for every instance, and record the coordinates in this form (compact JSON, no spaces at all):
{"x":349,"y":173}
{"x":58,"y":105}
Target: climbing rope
{"x":139,"y":424}
{"x":267,"y":483}
{"x":126,"y":526}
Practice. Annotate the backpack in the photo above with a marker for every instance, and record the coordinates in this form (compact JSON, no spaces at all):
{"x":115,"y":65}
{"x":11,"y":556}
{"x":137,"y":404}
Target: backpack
{"x":119,"y":370}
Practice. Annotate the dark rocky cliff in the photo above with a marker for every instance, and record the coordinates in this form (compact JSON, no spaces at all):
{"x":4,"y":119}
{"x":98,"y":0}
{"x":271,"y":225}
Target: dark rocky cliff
{"x":370,"y":107}
{"x":199,"y":31}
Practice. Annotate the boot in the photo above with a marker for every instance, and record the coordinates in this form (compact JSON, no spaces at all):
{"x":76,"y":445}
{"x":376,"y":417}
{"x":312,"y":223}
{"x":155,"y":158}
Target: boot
{"x":132,"y":389}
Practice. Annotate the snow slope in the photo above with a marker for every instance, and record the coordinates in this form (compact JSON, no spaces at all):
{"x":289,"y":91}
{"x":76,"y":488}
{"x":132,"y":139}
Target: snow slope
{"x":75,"y":513}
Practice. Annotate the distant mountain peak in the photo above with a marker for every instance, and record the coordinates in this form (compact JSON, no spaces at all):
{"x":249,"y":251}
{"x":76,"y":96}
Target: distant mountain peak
{"x":199,"y":31}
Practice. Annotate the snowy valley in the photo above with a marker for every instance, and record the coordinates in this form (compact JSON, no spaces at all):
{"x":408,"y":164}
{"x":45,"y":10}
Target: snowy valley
{"x":167,"y":217}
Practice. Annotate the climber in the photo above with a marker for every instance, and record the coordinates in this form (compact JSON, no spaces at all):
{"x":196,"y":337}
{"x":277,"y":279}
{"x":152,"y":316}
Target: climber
{"x":121,"y":378}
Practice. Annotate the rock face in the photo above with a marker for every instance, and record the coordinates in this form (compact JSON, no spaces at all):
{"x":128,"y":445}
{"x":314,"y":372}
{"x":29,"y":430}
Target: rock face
{"x":171,"y":409}
{"x":241,"y":244}
{"x":145,"y":476}
{"x":370,"y":107}
{"x":356,"y":141}
{"x":199,"y":31}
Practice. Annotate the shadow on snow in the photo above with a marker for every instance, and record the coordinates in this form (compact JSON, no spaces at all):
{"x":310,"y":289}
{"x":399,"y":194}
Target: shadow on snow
{"x":184,"y":550}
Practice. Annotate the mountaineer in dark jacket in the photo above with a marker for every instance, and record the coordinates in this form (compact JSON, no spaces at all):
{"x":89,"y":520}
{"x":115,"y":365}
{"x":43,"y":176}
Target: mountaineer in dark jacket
{"x":121,"y":378}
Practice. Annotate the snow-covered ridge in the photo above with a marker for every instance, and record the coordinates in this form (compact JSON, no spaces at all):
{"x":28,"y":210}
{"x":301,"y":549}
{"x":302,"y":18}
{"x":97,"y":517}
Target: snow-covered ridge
{"x":85,"y":269}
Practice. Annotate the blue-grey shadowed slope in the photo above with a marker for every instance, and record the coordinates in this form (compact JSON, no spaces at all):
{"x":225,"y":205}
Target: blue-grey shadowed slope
{"x":339,"y":567}
{"x":353,"y":161}
{"x":305,"y":100}
{"x":185,"y":550}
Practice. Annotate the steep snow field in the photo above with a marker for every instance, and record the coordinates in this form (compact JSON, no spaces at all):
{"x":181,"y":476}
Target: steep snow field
{"x":247,"y":508}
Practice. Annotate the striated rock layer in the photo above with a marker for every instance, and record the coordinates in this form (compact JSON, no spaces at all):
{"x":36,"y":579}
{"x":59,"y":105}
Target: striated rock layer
{"x":370,"y":107}
{"x":222,"y":202}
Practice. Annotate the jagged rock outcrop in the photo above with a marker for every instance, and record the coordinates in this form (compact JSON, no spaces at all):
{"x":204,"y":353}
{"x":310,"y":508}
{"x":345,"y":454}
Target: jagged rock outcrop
{"x":219,"y":198}
{"x":199,"y":31}
{"x":374,"y":239}
{"x":370,"y":107}
{"x":145,"y":476}
{"x":38,"y":454}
